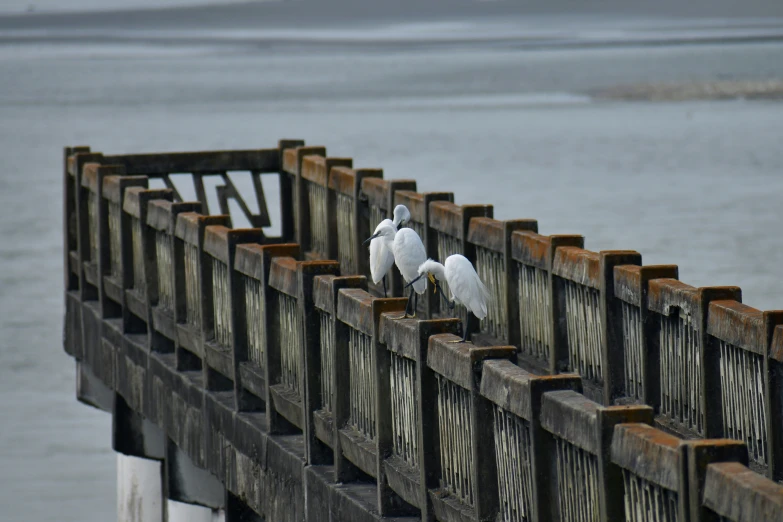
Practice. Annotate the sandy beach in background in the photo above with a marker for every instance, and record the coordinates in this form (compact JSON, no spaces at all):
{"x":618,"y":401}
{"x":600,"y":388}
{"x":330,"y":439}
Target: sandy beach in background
{"x":647,"y":126}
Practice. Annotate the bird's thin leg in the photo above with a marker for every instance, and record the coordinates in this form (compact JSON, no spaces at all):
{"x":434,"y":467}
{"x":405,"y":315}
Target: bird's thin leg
{"x":445,"y":299}
{"x":411,"y":300}
{"x":405,"y":313}
{"x":415,"y":302}
{"x":465,"y":336}
{"x":384,"y":287}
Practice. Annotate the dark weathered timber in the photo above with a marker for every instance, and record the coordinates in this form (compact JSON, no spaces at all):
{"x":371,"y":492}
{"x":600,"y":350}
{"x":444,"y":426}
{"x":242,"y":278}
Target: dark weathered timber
{"x":492,"y":240}
{"x":519,"y":393}
{"x":292,"y":166}
{"x":576,"y":421}
{"x":220,"y":243}
{"x":670,"y":298}
{"x":660,"y":459}
{"x":253,"y":261}
{"x":347,"y":183}
{"x":738,"y":337}
{"x":157,"y":164}
{"x":461,"y":364}
{"x":702,"y":453}
{"x":409,"y":339}
{"x":361,"y":315}
{"x":537,"y":252}
{"x":326,"y":289}
{"x":737,"y":494}
{"x":162,"y":217}
{"x":189,"y":234}
{"x":316,"y":172}
{"x":592,"y":270}
{"x":631,"y":286}
{"x":378,"y":417}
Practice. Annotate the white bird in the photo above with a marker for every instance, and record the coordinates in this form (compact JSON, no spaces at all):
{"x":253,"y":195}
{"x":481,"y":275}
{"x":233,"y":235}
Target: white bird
{"x":409,"y":254}
{"x":464,"y":283}
{"x":381,"y":258}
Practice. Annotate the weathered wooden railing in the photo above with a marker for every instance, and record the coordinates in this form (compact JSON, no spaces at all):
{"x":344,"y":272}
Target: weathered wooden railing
{"x":307,"y":398}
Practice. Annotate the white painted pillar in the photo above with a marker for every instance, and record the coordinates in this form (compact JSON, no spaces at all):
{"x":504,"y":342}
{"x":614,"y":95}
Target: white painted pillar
{"x":182,"y":512}
{"x":139,"y":489}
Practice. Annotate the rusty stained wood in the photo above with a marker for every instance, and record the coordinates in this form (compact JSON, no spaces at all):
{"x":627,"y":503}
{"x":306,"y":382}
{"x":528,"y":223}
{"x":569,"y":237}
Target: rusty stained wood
{"x":518,"y":391}
{"x":536,"y":250}
{"x":461,"y":362}
{"x":741,"y":325}
{"x":326,"y":289}
{"x":735,"y":492}
{"x":651,"y":454}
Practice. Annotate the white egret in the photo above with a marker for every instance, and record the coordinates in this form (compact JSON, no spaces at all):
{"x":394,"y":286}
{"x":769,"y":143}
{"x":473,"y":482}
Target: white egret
{"x":409,"y":253}
{"x":465,"y":285}
{"x":381,"y":258}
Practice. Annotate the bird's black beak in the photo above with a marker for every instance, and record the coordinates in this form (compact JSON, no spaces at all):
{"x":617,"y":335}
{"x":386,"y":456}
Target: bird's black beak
{"x":409,"y":284}
{"x":371,"y":238}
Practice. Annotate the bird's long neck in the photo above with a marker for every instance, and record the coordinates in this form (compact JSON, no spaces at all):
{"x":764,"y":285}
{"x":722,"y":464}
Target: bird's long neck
{"x":438,"y":270}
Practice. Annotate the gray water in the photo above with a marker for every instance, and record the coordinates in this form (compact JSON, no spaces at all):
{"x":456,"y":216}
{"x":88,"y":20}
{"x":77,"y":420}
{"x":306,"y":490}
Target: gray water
{"x":447,"y":102}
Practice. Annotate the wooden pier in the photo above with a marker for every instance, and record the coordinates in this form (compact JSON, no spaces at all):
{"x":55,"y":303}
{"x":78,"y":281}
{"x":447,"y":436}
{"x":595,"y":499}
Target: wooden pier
{"x":266,"y":378}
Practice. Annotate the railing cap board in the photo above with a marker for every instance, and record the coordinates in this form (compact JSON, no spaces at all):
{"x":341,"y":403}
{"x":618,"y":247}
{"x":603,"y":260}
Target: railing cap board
{"x":361,"y":311}
{"x":453,"y":219}
{"x":292,"y":158}
{"x":733,"y":491}
{"x":630,"y":281}
{"x":742,"y":325}
{"x":93,"y":173}
{"x":219,"y":240}
{"x":584,"y":267}
{"x":519,"y":391}
{"x":137,"y":199}
{"x":493,"y":234}
{"x":317,"y":168}
{"x":577,"y":419}
{"x":251,"y":259}
{"x":191,"y":225}
{"x":70,"y":160}
{"x":114,"y":186}
{"x":379,"y":191}
{"x":286,"y":273}
{"x":649,"y":453}
{"x":665,"y":295}
{"x":80,"y":158}
{"x":326,"y":288}
{"x":405,"y":336}
{"x":345,"y":180}
{"x":205,"y":162}
{"x":417,"y":203}
{"x":162,"y":214}
{"x":461,"y":362}
{"x":533,"y":249}
{"x":776,"y":348}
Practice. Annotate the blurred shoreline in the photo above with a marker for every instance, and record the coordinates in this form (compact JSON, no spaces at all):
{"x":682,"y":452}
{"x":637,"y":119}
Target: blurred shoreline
{"x":342,"y":27}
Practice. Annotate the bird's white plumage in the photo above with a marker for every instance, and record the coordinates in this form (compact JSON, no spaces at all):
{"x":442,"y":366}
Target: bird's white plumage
{"x":464,"y":283}
{"x":409,"y":254}
{"x":381,"y":258}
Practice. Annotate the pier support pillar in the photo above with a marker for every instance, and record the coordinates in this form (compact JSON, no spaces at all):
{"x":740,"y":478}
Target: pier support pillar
{"x":193,"y":494}
{"x":139,"y":489}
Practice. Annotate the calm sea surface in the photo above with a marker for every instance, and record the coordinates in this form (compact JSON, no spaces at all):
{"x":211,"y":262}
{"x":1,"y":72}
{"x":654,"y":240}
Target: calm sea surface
{"x":694,"y":183}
